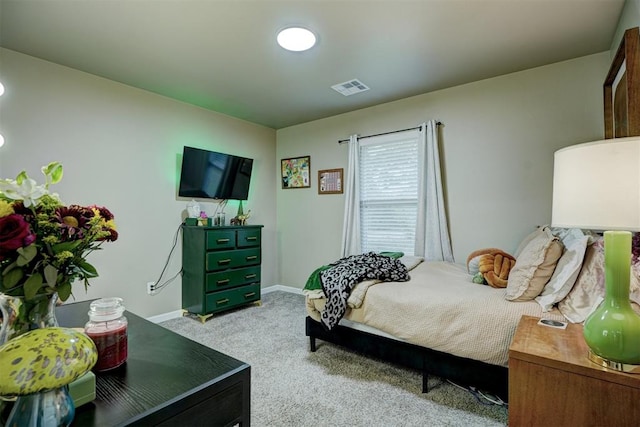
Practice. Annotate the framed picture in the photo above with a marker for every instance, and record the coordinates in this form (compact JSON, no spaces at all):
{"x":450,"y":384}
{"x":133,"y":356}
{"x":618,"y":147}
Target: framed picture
{"x":330,"y":181}
{"x":296,"y":172}
{"x":621,"y":89}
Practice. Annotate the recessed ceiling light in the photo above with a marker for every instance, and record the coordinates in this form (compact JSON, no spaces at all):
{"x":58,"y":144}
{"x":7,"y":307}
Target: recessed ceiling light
{"x":296,"y":39}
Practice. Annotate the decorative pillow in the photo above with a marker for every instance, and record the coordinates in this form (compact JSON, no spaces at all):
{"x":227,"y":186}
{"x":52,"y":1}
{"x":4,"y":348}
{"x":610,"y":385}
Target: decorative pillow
{"x":490,"y":266}
{"x":567,"y":269}
{"x":588,"y":291}
{"x":473,"y":260}
{"x":526,"y":241}
{"x":534,"y":266}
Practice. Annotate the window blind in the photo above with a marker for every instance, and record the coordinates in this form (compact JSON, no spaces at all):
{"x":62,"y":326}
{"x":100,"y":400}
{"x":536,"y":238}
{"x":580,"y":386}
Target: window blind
{"x":389,"y":192}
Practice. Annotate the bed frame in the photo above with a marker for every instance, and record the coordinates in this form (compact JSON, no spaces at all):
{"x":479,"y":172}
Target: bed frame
{"x":463,"y":371}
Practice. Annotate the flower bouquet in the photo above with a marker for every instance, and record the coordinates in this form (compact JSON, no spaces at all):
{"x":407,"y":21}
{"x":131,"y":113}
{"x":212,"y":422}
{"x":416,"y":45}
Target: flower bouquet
{"x":44,"y":243}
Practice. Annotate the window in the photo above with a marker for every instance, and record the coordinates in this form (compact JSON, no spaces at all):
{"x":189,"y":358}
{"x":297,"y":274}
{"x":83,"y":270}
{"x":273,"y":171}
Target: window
{"x":389,"y":192}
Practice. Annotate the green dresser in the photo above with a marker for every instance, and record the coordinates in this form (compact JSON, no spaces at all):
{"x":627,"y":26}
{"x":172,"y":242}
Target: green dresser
{"x":220,"y":268}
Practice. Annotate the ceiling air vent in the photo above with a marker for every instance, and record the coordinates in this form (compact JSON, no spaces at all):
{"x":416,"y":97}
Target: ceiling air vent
{"x":350,"y":87}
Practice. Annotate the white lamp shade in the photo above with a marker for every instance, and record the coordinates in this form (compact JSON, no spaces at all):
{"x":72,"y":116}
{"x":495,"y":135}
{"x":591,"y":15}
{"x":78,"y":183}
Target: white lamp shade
{"x":597,"y":185}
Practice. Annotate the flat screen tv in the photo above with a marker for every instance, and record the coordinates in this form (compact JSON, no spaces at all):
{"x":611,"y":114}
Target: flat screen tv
{"x":212,"y":175}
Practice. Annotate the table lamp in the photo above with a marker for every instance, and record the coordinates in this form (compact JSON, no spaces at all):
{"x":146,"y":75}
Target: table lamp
{"x":596,"y":186}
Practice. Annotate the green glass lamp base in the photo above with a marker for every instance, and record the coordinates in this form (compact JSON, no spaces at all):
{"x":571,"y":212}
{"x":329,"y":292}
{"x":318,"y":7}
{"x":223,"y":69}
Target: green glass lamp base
{"x":611,"y":364}
{"x":612,"y":331}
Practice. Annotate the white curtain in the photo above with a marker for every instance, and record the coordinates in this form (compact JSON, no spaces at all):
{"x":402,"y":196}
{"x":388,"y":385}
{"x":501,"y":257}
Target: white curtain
{"x":351,"y":244}
{"x":432,"y":231}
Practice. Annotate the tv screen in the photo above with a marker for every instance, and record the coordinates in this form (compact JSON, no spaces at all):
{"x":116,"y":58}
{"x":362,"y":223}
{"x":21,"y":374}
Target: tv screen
{"x":212,"y":175}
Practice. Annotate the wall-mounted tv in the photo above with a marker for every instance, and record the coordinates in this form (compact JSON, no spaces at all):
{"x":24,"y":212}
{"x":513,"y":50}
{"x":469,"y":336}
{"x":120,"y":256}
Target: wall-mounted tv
{"x":212,"y":175}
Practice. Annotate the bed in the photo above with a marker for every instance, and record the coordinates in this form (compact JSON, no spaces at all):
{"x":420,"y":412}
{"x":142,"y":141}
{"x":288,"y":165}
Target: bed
{"x":442,"y":323}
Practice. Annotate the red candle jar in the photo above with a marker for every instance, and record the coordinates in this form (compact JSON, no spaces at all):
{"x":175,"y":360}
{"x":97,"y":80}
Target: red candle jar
{"x":107,"y":327}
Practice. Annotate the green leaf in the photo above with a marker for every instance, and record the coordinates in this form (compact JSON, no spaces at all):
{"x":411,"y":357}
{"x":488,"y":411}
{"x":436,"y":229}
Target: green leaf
{"x":9,"y":267}
{"x":50,"y":275}
{"x":21,"y":177}
{"x":65,"y":246}
{"x":32,"y":285}
{"x":53,"y":172}
{"x":26,"y":255}
{"x":88,"y":269}
{"x":12,"y":278}
{"x":64,"y":291}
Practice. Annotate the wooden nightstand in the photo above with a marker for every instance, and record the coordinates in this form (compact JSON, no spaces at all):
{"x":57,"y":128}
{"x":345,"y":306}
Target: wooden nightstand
{"x":553,"y":383}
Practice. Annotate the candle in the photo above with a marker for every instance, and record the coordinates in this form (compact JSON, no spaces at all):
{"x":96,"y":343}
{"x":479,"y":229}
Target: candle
{"x":107,"y":327}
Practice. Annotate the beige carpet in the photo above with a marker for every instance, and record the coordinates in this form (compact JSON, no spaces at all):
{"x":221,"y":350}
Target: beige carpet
{"x":332,"y":387}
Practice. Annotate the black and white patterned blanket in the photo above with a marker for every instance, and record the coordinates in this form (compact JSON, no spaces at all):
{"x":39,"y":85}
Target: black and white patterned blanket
{"x":338,"y":280}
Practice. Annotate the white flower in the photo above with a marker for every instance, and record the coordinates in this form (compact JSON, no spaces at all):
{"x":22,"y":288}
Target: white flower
{"x":27,"y":191}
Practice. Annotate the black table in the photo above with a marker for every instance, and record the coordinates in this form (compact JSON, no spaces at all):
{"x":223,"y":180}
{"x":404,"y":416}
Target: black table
{"x":167,"y":380}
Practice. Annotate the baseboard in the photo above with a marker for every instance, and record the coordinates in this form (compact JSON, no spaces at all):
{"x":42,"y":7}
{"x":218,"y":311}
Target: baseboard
{"x":282,"y":288}
{"x":165,"y":316}
{"x":178,"y":313}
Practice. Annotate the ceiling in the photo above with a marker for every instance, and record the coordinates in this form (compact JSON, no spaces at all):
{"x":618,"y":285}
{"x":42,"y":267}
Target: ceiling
{"x":222,"y":55}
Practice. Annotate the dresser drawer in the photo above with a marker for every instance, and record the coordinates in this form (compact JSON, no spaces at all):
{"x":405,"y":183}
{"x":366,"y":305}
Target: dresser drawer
{"x":220,"y":267}
{"x":221,"y":300}
{"x":230,"y":278}
{"x":221,"y":239}
{"x":221,"y":260}
{"x":248,"y":237}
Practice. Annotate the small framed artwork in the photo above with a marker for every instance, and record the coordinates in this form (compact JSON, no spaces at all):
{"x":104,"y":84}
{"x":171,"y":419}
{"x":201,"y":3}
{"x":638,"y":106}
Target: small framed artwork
{"x":296,"y":172}
{"x":330,"y":181}
{"x":621,"y":89}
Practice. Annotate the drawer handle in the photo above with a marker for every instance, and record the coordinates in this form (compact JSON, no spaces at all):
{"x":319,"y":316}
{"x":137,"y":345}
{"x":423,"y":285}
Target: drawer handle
{"x":222,"y":301}
{"x":252,"y":257}
{"x":249,"y":295}
{"x":224,"y":261}
{"x":222,"y":241}
{"x":252,"y":238}
{"x":250,"y":276}
{"x":222,"y":282}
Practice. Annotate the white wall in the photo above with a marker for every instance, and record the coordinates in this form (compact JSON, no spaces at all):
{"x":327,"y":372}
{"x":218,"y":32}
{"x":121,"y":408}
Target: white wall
{"x":498,"y":140}
{"x":629,"y":18}
{"x":121,"y":148}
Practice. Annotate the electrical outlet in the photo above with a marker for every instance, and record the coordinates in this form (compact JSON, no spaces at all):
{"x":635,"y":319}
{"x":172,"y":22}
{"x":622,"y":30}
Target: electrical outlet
{"x":151,"y":288}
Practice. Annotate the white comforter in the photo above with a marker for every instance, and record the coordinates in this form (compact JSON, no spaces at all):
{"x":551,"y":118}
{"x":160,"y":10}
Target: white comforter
{"x":440,"y":308}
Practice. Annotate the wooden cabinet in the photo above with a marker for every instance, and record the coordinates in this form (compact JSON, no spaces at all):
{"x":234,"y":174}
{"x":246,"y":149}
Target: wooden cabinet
{"x":220,"y":268}
{"x":553,"y":383}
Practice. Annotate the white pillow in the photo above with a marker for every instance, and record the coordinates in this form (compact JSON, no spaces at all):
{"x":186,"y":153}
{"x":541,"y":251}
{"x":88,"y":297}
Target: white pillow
{"x":523,"y":244}
{"x":567,"y":269}
{"x":589,"y":289}
{"x":534,"y":266}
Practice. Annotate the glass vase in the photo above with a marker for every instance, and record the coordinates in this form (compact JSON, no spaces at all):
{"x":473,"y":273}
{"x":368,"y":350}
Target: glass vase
{"x":612,"y":331}
{"x":47,"y":408}
{"x":18,"y":316}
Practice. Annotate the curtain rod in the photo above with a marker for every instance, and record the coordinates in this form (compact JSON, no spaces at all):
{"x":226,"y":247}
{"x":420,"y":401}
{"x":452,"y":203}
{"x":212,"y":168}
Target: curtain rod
{"x":343,"y":141}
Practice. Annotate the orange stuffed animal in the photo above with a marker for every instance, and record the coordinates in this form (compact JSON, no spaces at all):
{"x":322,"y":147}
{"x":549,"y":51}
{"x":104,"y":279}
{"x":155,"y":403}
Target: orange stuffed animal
{"x":492,"y":265}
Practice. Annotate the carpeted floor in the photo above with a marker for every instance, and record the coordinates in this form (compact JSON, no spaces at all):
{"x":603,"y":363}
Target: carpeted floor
{"x":332,"y":387}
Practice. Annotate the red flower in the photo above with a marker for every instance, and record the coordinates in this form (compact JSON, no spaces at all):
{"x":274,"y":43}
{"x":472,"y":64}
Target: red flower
{"x":107,"y":216}
{"x":15,"y":233}
{"x":73,"y":220}
{"x":104,"y":212}
{"x":113,"y":235}
{"x":26,"y":213}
